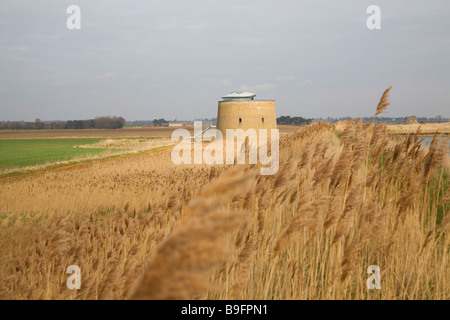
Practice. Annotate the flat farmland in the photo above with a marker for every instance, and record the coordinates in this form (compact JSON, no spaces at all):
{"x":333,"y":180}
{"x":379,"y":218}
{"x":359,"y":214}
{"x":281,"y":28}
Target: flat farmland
{"x":29,"y":152}
{"x":25,"y":155}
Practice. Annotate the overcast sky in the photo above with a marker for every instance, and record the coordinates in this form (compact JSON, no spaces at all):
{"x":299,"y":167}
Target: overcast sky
{"x":174,"y":59}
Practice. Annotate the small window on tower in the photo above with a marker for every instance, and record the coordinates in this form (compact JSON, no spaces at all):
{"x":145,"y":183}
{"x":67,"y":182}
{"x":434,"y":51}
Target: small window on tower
{"x":240,"y":120}
{"x":262,"y":119}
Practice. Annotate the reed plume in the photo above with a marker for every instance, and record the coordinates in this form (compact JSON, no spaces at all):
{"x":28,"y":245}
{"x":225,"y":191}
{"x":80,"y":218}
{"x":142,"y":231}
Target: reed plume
{"x":384,"y":103}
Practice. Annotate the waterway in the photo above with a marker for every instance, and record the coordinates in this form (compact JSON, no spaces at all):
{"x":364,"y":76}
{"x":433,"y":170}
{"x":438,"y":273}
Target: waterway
{"x":427,"y":141}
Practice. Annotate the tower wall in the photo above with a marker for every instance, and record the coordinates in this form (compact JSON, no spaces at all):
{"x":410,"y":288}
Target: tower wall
{"x":251,"y":114}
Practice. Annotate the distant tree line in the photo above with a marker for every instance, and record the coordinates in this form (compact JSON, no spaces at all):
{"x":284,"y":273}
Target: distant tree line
{"x":389,"y":120}
{"x":139,"y":123}
{"x":97,"y":123}
{"x":295,"y":121}
{"x":160,"y":123}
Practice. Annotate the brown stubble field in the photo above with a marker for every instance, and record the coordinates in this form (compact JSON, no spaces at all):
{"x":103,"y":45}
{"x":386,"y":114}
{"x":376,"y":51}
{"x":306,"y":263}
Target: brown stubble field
{"x":137,"y":132}
{"x":124,"y":133}
{"x":144,"y":228}
{"x":426,"y":129}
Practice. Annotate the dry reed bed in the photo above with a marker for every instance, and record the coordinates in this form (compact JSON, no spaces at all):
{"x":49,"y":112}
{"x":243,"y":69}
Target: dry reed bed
{"x":106,"y":217}
{"x":336,"y":207}
{"x":145,"y":229}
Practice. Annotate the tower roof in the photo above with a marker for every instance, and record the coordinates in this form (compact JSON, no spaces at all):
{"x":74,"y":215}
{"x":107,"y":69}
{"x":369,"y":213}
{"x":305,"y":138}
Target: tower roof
{"x":236,"y":94}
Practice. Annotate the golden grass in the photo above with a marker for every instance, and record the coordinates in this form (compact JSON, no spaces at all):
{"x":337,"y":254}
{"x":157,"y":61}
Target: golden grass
{"x":106,"y":217}
{"x":143,"y":228}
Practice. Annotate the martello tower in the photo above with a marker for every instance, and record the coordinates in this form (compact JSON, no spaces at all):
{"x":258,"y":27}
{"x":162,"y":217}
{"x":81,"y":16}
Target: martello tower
{"x":240,"y":110}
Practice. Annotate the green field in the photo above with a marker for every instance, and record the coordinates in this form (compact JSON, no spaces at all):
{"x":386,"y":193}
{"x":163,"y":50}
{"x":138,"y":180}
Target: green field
{"x":19,"y":153}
